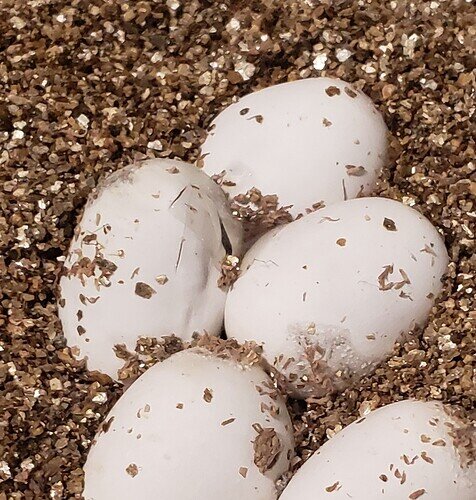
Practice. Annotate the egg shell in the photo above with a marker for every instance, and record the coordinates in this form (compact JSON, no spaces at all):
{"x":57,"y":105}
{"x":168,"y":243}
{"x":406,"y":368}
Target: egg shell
{"x":185,"y":431}
{"x":347,"y":280}
{"x":307,"y":141}
{"x":145,"y":261}
{"x":401,"y":451}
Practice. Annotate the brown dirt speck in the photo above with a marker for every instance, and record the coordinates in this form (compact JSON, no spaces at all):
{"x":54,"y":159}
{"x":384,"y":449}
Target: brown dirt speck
{"x":417,"y":494}
{"x":333,"y":487}
{"x":389,"y":224}
{"x":132,"y":470}
{"x":144,"y":290}
{"x":332,"y":91}
{"x":208,"y":395}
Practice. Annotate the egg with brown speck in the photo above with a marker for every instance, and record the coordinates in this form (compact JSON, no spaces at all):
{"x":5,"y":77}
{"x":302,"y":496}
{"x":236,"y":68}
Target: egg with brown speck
{"x":310,"y":141}
{"x":328,"y":295}
{"x":406,"y":450}
{"x":194,"y":426}
{"x":146,"y":260}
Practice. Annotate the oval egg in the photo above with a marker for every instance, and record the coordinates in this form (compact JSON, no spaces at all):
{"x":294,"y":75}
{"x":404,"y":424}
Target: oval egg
{"x":312,"y":141}
{"x":192,"y":427}
{"x":406,"y":450}
{"x":328,"y":295}
{"x":145,"y":261}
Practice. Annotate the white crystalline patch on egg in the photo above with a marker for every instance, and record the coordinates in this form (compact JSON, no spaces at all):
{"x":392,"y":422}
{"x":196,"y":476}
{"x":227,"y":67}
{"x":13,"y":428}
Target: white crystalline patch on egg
{"x":316,"y":347}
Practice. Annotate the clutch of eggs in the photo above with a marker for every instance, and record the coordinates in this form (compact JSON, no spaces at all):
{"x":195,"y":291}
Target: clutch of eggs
{"x":192,"y":427}
{"x":309,"y":141}
{"x":145,"y":261}
{"x":328,"y":295}
{"x":406,"y":450}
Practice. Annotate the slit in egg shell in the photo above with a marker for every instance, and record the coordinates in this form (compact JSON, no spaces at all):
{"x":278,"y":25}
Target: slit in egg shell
{"x":146,"y":261}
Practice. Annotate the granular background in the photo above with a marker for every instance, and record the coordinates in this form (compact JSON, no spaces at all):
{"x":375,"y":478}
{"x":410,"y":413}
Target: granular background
{"x":88,"y":86}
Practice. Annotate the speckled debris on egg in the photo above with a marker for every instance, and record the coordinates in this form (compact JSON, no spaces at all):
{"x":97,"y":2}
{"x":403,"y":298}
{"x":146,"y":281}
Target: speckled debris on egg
{"x":328,"y":295}
{"x":311,"y":142}
{"x":405,"y":450}
{"x":192,"y":427}
{"x":146,"y":260}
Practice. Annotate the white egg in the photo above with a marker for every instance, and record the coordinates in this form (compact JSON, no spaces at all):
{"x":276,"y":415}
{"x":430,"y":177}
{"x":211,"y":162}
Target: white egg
{"x":405,"y":450}
{"x":307,"y":141}
{"x":192,"y":427}
{"x":328,"y":295}
{"x":145,"y":261}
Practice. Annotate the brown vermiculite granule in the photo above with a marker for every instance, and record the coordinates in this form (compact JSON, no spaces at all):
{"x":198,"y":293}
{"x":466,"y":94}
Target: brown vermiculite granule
{"x":87,"y":86}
